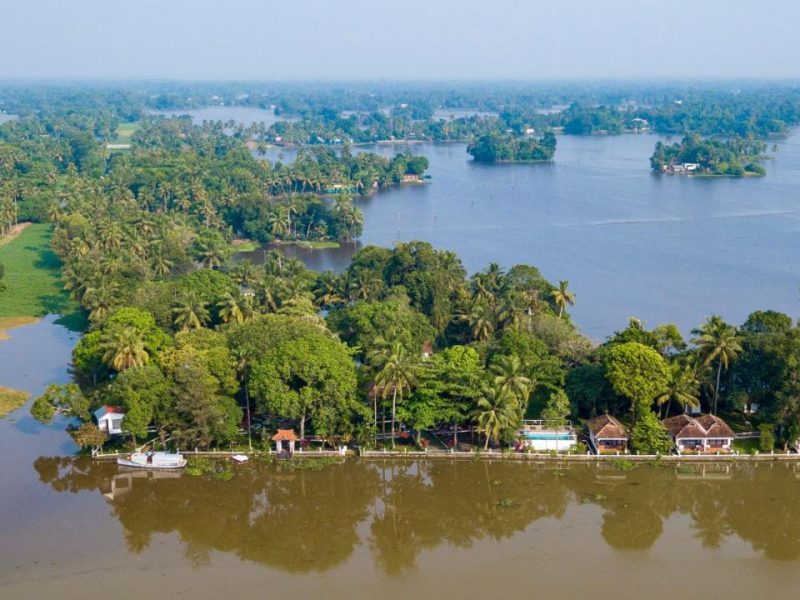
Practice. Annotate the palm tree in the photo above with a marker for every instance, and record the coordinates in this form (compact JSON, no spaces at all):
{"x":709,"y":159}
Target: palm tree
{"x":211,"y":256}
{"x":326,"y":290}
{"x":397,"y":374}
{"x":682,"y":387}
{"x":563,"y":297}
{"x":716,"y":340}
{"x":100,"y":300}
{"x":268,"y":292}
{"x":480,"y":320}
{"x":495,"y":412}
{"x":124,"y":349}
{"x":190,"y":313}
{"x":234,"y":308}
{"x":244,"y":359}
{"x":509,"y":378}
{"x":161,"y":265}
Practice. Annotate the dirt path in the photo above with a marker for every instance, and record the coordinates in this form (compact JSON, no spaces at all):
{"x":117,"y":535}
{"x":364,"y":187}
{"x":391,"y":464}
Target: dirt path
{"x":15,"y":231}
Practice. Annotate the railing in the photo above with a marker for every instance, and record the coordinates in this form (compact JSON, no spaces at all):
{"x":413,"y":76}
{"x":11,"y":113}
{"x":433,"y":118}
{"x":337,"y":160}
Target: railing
{"x":543,"y":425}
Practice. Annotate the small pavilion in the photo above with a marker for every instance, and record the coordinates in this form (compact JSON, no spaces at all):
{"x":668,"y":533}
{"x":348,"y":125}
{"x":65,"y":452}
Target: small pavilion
{"x":289,"y":437}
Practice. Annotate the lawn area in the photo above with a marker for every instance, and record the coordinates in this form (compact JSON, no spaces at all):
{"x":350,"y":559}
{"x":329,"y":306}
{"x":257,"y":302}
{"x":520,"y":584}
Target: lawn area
{"x":11,"y":400}
{"x":125,"y":132}
{"x":746,"y":446}
{"x":33,"y":284}
{"x":243,"y":245}
{"x":317,"y":245}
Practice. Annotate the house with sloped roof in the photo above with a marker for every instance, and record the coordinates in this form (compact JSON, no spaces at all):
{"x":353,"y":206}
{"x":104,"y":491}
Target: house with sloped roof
{"x":109,"y":419}
{"x":607,"y":435}
{"x":705,"y":434}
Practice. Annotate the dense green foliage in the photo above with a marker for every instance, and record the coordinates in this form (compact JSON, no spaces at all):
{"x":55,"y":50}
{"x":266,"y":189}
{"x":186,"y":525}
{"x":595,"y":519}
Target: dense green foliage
{"x":506,"y":148}
{"x":735,"y":157}
{"x":202,"y":349}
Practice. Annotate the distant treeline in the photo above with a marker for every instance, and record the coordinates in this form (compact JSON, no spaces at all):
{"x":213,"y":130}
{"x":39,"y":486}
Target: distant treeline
{"x":361,"y":112}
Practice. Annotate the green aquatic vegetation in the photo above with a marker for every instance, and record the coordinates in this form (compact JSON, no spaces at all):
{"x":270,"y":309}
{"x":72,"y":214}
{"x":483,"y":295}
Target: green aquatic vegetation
{"x":622,"y":464}
{"x":506,"y":503}
{"x":310,"y":464}
{"x":593,"y":498}
{"x":200,"y":466}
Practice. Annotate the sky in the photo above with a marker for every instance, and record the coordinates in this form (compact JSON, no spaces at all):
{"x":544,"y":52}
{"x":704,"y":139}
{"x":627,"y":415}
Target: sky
{"x":405,"y":39}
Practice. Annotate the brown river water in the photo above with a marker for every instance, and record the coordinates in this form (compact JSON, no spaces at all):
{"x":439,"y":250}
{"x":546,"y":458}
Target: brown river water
{"x":75,"y":528}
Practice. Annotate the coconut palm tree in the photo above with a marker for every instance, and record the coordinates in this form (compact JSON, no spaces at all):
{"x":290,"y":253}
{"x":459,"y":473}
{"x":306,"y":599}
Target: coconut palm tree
{"x":480,"y":320}
{"x":397,"y":374}
{"x":124,"y":348}
{"x":190,"y":313}
{"x":326,"y":289}
{"x":682,"y":387}
{"x":563,"y":297}
{"x":508,"y":376}
{"x":717,"y":341}
{"x":268,"y":293}
{"x":244,"y":357}
{"x":100,"y":300}
{"x":234,"y":307}
{"x":161,"y":265}
{"x":495,"y":412}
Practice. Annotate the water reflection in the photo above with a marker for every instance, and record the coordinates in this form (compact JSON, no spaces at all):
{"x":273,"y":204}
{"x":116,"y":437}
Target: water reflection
{"x":303,"y":521}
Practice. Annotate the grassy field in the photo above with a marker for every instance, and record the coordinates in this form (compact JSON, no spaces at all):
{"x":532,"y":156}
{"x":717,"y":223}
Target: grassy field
{"x":317,"y":245}
{"x":125,"y":132}
{"x":746,"y":446}
{"x":11,"y":400}
{"x":242,"y":245}
{"x":33,"y":285}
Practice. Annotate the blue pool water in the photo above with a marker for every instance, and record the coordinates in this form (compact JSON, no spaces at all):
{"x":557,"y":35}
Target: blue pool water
{"x":547,"y":436}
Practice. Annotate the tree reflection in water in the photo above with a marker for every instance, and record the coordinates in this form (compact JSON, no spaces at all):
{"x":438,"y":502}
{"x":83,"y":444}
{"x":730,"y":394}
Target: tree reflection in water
{"x":301,"y":521}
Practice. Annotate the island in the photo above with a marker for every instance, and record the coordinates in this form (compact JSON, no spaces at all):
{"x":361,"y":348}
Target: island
{"x":494,"y":148}
{"x":694,"y":155}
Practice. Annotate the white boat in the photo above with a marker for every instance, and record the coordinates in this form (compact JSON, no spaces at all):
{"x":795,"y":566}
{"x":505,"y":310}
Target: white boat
{"x":240,"y":458}
{"x":152,"y":460}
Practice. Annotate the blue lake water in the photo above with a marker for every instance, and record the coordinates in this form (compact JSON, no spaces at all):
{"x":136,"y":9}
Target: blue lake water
{"x":245,"y":115}
{"x":631,"y":243}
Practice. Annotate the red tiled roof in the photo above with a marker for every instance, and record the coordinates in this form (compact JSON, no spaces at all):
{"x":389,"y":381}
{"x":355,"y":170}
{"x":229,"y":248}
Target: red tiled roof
{"x":285,"y":435}
{"x":702,"y":427}
{"x":111,"y":408}
{"x":606,"y":427}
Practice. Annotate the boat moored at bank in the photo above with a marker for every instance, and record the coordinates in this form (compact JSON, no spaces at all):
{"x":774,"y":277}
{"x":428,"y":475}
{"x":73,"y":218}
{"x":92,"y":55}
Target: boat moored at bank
{"x":152,"y":460}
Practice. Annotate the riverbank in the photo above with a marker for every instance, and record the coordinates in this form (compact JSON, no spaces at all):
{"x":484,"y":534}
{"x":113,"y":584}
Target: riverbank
{"x":11,"y":400}
{"x":307,"y":244}
{"x":614,"y":459}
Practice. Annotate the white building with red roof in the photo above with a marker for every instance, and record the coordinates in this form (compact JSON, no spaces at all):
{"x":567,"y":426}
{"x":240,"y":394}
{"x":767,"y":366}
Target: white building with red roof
{"x":109,"y":419}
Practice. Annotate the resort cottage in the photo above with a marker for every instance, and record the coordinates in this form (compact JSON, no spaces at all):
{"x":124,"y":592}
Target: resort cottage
{"x":607,"y":435}
{"x":544,"y":436}
{"x":109,"y":419}
{"x":706,"y":434}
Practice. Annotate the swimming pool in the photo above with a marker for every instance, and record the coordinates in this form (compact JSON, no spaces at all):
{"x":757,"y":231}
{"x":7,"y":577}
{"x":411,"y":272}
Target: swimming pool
{"x":554,"y":436}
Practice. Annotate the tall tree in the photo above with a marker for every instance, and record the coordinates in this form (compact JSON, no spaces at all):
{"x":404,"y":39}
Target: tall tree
{"x":563,"y":297}
{"x":398,"y":374}
{"x":717,"y":341}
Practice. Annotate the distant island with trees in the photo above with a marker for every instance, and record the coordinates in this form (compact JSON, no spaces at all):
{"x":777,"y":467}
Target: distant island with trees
{"x":696,"y":156}
{"x":493,"y":147}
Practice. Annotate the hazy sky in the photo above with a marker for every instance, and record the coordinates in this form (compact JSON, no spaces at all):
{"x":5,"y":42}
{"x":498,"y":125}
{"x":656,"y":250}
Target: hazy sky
{"x":406,"y":39}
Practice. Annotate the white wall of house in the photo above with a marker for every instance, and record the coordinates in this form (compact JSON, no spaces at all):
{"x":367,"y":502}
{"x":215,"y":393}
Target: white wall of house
{"x":111,"y":423}
{"x":703,"y":444}
{"x":549,"y":445}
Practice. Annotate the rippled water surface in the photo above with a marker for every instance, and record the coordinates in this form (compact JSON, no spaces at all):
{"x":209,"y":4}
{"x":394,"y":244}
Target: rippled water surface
{"x":664,"y":249}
